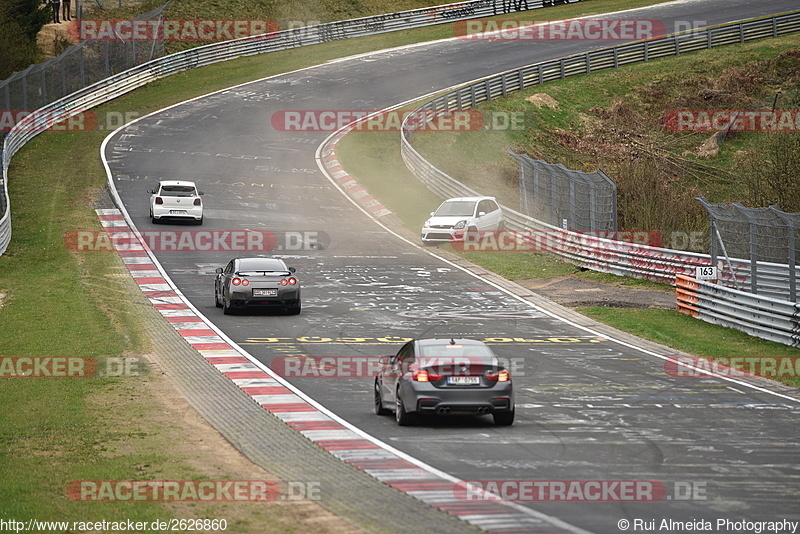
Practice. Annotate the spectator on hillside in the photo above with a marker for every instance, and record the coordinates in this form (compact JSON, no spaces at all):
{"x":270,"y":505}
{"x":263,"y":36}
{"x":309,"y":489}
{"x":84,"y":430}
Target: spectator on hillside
{"x":66,"y":6}
{"x":56,"y":5}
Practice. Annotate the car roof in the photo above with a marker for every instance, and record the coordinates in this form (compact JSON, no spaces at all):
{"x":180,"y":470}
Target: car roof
{"x":176,"y":182}
{"x":465,"y":199}
{"x":449,"y":341}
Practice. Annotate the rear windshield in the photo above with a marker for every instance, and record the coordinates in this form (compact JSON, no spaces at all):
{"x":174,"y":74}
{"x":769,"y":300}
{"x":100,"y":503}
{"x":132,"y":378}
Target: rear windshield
{"x":177,"y":191}
{"x":259,"y":264}
{"x":459,"y":208}
{"x":480,"y":353}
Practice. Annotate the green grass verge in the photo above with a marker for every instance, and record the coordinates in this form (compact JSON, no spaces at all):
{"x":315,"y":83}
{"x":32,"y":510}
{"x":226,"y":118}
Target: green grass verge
{"x":687,"y":334}
{"x":57,"y":303}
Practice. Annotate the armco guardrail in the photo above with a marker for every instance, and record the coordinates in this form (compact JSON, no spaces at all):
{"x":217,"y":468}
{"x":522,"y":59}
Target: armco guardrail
{"x":772,"y":319}
{"x":604,"y":255}
{"x":126,"y":81}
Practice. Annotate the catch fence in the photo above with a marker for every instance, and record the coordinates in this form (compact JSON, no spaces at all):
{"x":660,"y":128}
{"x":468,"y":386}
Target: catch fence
{"x":572,"y":200}
{"x":768,"y":238}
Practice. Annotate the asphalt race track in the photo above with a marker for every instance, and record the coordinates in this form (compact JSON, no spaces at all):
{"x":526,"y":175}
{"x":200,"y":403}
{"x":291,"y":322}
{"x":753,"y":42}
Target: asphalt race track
{"x":588,"y":408}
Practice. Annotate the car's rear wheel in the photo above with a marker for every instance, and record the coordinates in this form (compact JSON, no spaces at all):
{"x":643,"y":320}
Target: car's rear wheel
{"x":504,"y":418}
{"x":403,"y":417}
{"x":227,"y":309}
{"x":217,"y":303}
{"x":200,"y":220}
{"x":379,"y":409}
{"x":294,"y":310}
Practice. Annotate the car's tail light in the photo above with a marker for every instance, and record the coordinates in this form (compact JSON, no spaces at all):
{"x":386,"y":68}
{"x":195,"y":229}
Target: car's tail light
{"x":245,"y":282}
{"x":289,"y":282}
{"x":236,"y":281}
{"x":499,"y":376}
{"x":197,"y":202}
{"x":423,"y":375}
{"x":159,"y":200}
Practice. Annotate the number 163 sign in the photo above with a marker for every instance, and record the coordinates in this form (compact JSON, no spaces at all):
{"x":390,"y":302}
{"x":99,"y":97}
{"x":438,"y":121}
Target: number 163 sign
{"x":705,"y":273}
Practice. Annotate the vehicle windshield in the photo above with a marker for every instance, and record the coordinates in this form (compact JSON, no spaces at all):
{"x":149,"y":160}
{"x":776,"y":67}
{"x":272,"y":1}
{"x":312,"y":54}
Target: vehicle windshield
{"x":261,"y":265}
{"x":457,"y":208}
{"x":177,"y":191}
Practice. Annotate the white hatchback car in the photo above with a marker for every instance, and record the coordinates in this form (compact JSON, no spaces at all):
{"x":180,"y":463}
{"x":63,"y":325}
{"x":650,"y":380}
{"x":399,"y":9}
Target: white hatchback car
{"x":176,"y":199}
{"x":457,"y":216}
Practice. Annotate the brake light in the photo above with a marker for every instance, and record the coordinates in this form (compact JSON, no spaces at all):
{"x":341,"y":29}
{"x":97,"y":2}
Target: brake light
{"x":197,"y":202}
{"x":423,"y":375}
{"x":292,"y":281}
{"x":289,"y":281}
{"x":236,"y":281}
{"x":159,"y":200}
{"x":499,"y":376}
{"x":245,"y":282}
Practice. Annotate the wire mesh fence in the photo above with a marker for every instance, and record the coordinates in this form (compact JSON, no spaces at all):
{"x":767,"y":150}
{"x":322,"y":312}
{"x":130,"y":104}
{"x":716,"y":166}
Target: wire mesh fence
{"x":572,"y":200}
{"x":78,"y":66}
{"x":768,"y":238}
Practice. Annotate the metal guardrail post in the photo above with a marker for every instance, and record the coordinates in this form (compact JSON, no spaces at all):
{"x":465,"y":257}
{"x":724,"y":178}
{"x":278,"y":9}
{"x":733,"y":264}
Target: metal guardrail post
{"x":791,"y":250}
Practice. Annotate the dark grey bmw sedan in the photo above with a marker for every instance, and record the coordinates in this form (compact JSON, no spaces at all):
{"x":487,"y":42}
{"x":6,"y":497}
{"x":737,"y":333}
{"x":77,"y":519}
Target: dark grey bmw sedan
{"x":444,"y":376}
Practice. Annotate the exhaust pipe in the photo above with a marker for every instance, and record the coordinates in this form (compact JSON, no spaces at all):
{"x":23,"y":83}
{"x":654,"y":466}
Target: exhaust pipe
{"x":483,"y":410}
{"x":444,"y":410}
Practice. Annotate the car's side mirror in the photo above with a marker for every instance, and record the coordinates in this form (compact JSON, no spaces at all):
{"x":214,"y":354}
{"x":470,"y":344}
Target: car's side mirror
{"x":218,"y":270}
{"x":151,"y":191}
{"x":292,"y":270}
{"x":385,"y":360}
{"x":432,"y":213}
{"x":201,"y":193}
{"x":481,"y":213}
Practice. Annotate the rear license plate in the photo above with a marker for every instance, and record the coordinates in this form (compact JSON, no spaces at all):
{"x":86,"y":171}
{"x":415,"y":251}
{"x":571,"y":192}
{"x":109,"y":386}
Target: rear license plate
{"x":464,"y":380}
{"x":265,"y":292}
{"x":177,"y":212}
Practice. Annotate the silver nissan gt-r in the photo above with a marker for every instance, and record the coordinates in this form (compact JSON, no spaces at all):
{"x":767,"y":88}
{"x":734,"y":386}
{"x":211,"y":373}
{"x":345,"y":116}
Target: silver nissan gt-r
{"x":257,"y":282}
